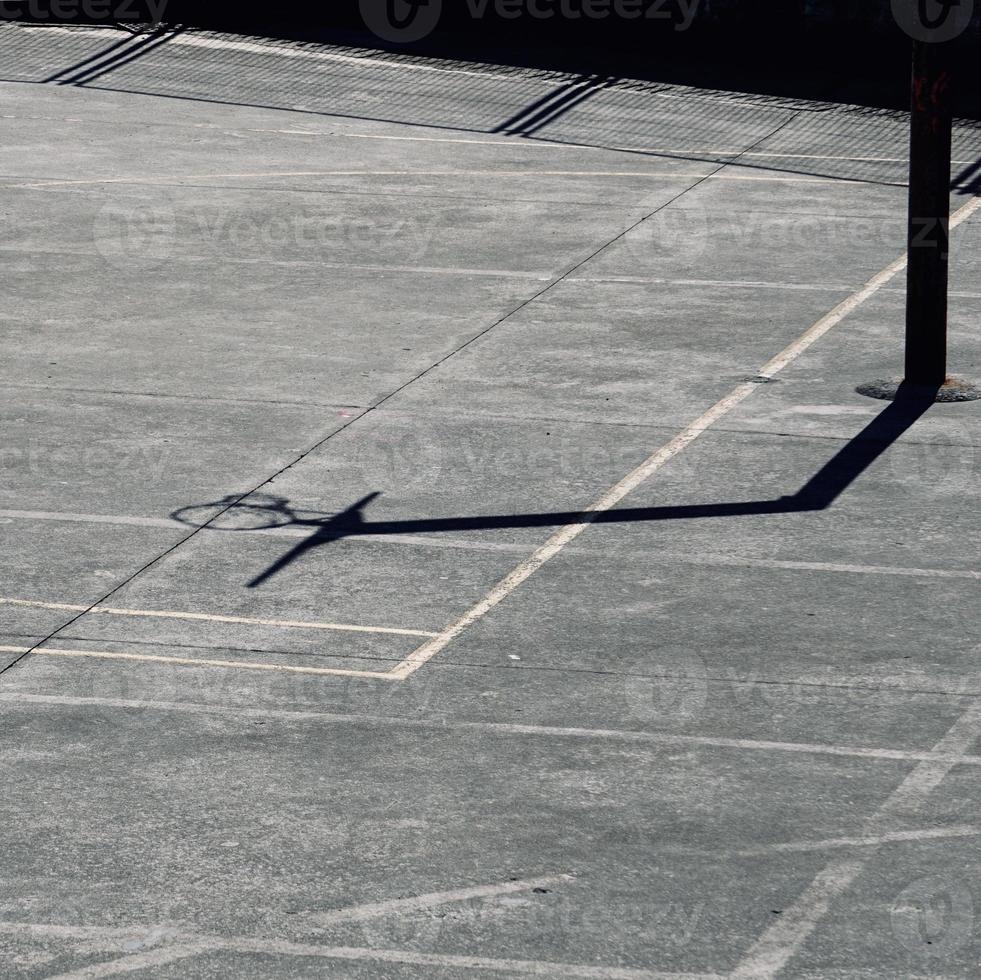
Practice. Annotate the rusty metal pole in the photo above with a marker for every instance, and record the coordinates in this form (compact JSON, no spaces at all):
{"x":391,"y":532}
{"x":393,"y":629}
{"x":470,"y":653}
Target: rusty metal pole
{"x":931,"y":119}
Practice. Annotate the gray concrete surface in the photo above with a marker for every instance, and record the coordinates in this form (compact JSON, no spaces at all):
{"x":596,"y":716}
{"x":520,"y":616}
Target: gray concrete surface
{"x":256,"y":283}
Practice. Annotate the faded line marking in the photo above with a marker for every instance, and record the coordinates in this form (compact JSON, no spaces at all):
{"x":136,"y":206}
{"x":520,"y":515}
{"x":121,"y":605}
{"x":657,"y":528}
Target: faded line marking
{"x":192,"y":40}
{"x":175,"y":179}
{"x":899,"y":836}
{"x":191,"y":662}
{"x":268,"y":946}
{"x":785,"y":938}
{"x":688,"y":435}
{"x":139,"y":961}
{"x":209,"y":618}
{"x":246,"y":944}
{"x":504,"y":729}
{"x":434,"y":899}
{"x":167,"y":179}
{"x":507,"y":967}
{"x":544,"y":144}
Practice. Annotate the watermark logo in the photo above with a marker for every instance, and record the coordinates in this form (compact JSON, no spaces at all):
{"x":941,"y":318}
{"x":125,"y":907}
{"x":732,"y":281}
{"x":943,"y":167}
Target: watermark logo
{"x":676,"y":694}
{"x":401,"y":21}
{"x":933,"y":21}
{"x":143,"y":14}
{"x":134,"y":238}
{"x":405,"y":21}
{"x":679,"y":234}
{"x":934,"y":916}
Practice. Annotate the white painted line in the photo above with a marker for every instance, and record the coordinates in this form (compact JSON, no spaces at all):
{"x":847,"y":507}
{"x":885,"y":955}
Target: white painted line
{"x":716,"y":283}
{"x":209,"y":618}
{"x":188,"y":39}
{"x":787,"y":936}
{"x":357,"y":913}
{"x":503,"y":967}
{"x":191,"y":40}
{"x":899,"y":836}
{"x":544,"y":144}
{"x":503,"y":729}
{"x":47,"y":515}
{"x":110,"y":938}
{"x":175,"y":180}
{"x":817,"y":566}
{"x":191,"y":662}
{"x":688,"y":435}
{"x":111,"y":935}
{"x":138,"y":961}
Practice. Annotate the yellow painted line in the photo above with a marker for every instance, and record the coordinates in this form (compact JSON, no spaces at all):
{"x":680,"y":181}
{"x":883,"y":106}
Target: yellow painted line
{"x":209,"y":618}
{"x":190,"y":662}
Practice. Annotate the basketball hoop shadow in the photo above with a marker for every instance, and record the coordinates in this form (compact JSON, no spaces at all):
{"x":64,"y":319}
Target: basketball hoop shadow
{"x":257,"y":512}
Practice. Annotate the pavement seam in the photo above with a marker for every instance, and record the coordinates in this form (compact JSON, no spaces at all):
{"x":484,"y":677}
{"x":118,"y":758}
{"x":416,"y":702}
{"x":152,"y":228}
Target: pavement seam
{"x":234,"y":501}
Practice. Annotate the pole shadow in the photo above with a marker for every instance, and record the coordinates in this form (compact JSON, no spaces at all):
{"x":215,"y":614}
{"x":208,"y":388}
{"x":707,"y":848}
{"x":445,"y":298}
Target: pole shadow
{"x":817,"y":494}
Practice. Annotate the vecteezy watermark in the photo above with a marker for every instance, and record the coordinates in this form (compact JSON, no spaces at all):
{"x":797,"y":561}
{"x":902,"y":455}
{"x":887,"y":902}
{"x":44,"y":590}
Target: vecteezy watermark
{"x":401,"y":21}
{"x":934,"y":916}
{"x":68,"y":11}
{"x":933,"y":21}
{"x":405,"y":21}
{"x":142,"y":236}
{"x":675,"y":694}
{"x":136,"y":237}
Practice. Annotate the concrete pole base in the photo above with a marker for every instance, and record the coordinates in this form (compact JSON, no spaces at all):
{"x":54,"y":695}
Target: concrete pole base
{"x":952,"y":390}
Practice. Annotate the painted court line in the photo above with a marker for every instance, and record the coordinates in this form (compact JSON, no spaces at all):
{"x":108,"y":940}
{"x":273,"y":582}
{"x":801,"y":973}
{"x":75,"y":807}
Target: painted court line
{"x":209,"y":618}
{"x":176,"y":179}
{"x":139,"y":961}
{"x":688,"y":435}
{"x":786,"y":937}
{"x":203,"y":662}
{"x":502,"y":729}
{"x":899,"y":836}
{"x":356,"y":913}
{"x":435,"y":644}
{"x":503,"y":967}
{"x":110,"y":939}
{"x":545,"y":144}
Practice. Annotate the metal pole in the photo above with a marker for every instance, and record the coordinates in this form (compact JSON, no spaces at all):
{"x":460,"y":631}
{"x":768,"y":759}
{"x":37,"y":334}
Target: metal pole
{"x":929,"y":214}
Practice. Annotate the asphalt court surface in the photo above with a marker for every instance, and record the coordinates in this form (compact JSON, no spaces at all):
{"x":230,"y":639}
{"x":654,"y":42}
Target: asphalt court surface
{"x":443,"y":545}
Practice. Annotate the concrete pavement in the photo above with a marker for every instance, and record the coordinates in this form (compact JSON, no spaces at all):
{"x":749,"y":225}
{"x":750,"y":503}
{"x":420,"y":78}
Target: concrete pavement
{"x":248,"y":285}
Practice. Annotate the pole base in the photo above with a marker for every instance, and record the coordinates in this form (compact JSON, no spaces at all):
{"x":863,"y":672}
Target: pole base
{"x":952,"y":390}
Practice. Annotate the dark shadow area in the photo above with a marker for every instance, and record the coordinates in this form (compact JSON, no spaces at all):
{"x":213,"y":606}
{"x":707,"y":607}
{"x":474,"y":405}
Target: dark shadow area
{"x":819,"y":493}
{"x":817,"y":49}
{"x":804,"y":49}
{"x":718,"y":92}
{"x":115,"y":56}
